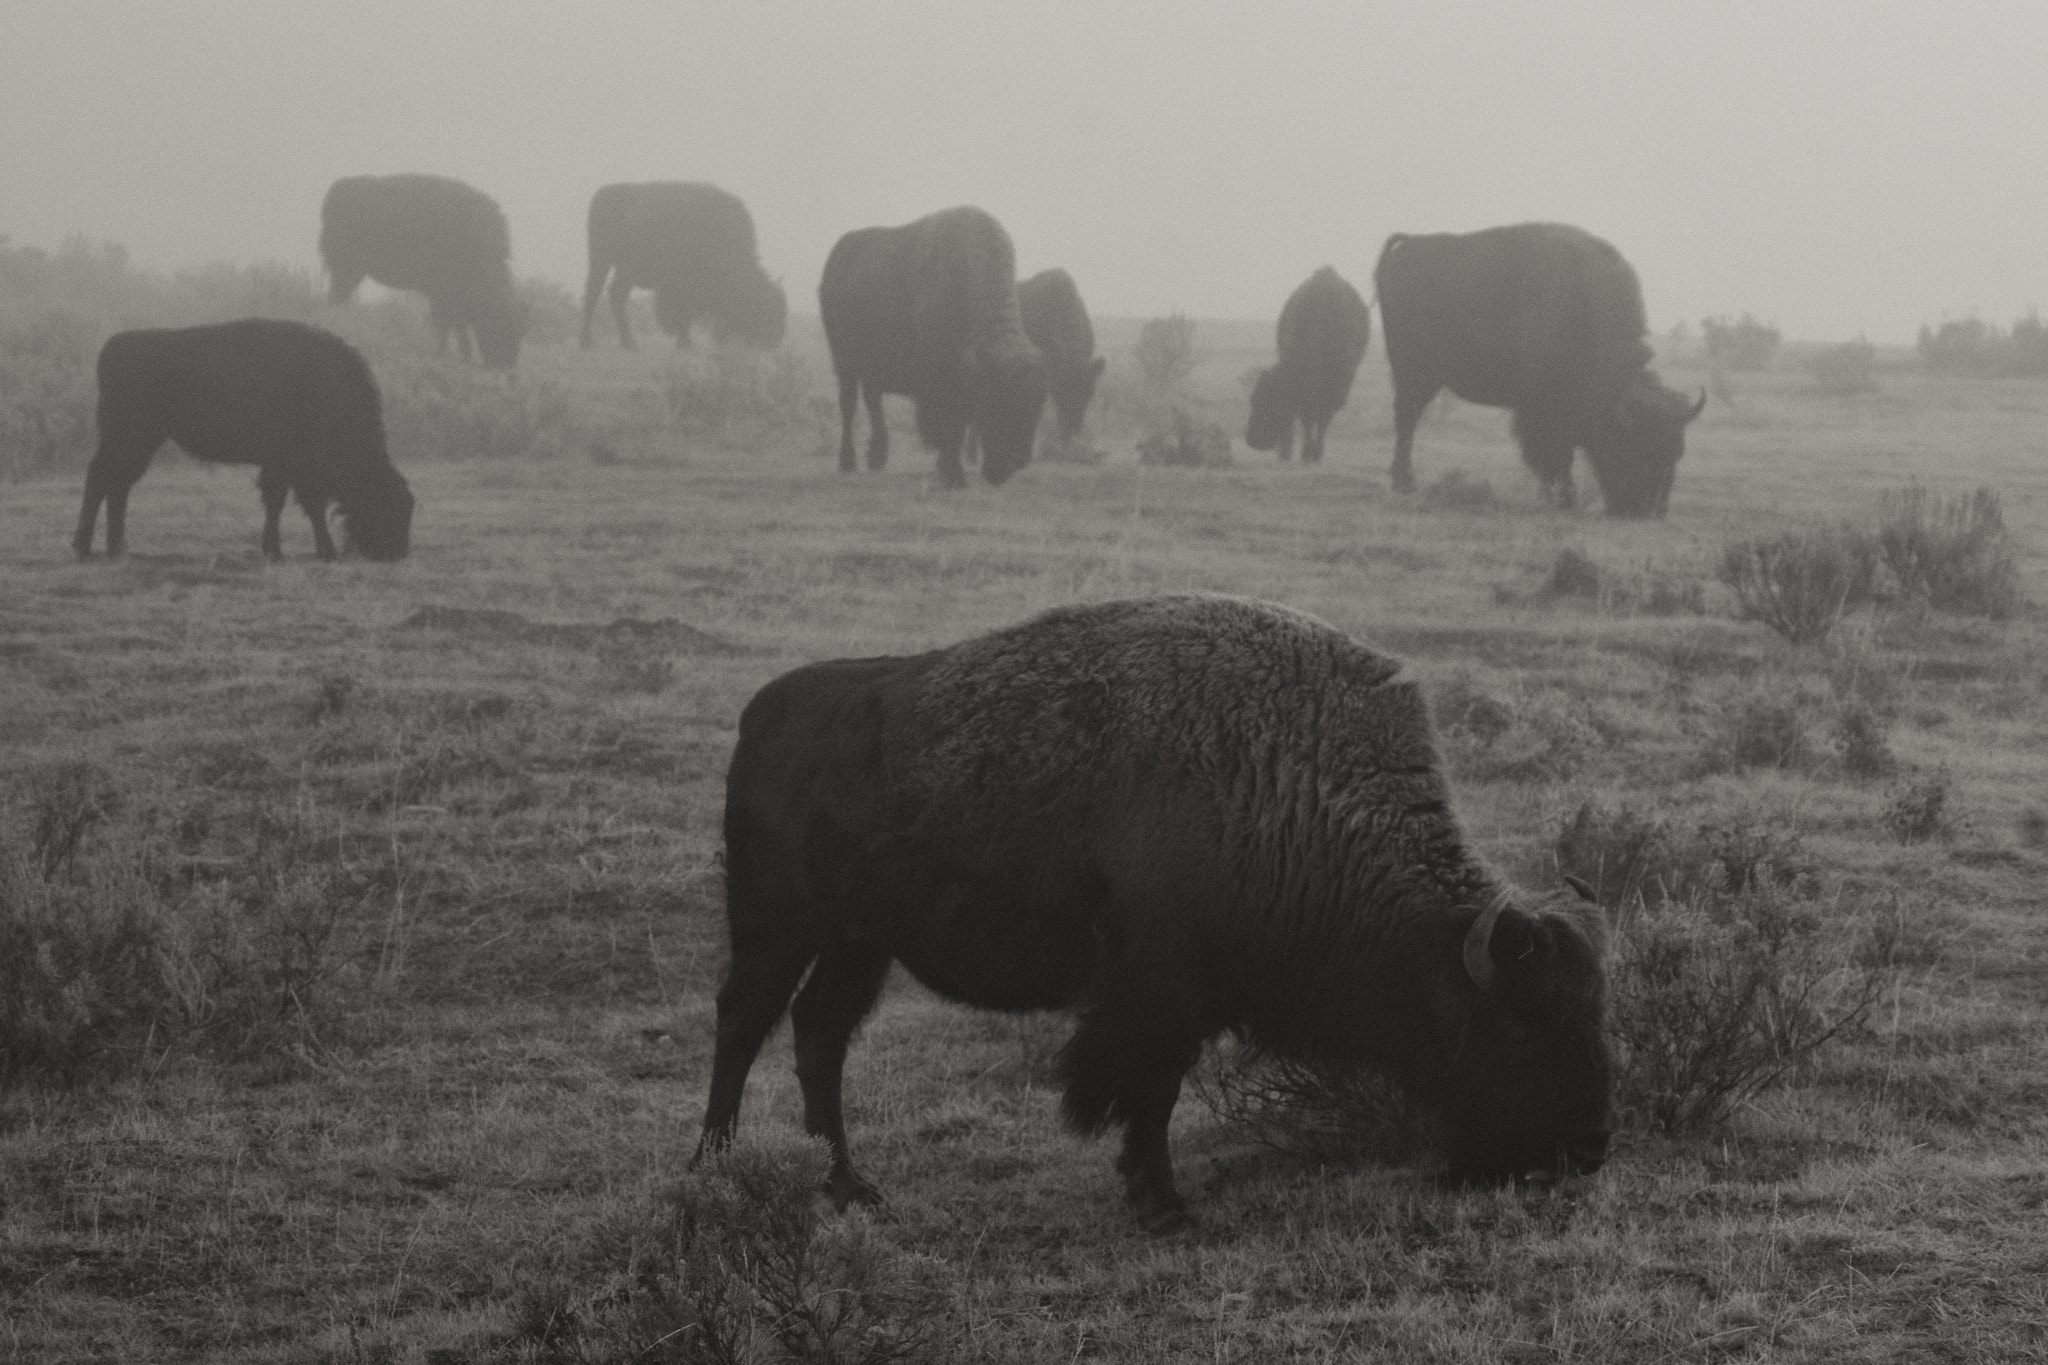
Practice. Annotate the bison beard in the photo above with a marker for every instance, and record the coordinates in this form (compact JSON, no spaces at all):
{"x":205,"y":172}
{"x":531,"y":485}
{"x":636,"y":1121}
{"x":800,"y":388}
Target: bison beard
{"x":296,"y":402}
{"x":929,"y":310}
{"x":1173,"y":816}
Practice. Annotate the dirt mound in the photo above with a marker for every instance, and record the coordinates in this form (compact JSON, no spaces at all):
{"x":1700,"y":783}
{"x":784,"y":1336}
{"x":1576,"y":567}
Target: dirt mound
{"x":497,"y":624}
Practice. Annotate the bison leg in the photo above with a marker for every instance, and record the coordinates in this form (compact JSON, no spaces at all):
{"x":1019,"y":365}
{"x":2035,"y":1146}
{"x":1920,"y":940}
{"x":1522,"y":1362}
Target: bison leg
{"x":1549,"y":456}
{"x":1124,"y":1064}
{"x":1410,"y":402}
{"x":314,"y":505}
{"x":621,"y":293}
{"x":593,"y":285}
{"x":1312,"y":432}
{"x":1286,"y":447}
{"x":849,"y":404}
{"x":274,"y":489}
{"x":756,"y":991}
{"x":878,"y":431}
{"x":841,"y":990}
{"x":120,"y":460}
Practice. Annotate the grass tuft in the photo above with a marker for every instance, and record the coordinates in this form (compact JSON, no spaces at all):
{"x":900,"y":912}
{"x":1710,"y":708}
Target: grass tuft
{"x":1800,"y":583}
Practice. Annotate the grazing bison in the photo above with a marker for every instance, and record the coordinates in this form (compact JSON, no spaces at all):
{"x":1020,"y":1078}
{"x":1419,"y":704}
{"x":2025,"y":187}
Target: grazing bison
{"x":296,"y":402}
{"x":437,"y":237}
{"x":1057,"y":322}
{"x":929,"y":310}
{"x":693,"y":245}
{"x":1175,"y":816}
{"x":1547,"y":320}
{"x":1324,"y":330}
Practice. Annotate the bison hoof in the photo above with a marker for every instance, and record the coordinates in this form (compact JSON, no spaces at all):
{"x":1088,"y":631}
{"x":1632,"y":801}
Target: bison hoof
{"x":846,"y":1187}
{"x":1164,"y":1222}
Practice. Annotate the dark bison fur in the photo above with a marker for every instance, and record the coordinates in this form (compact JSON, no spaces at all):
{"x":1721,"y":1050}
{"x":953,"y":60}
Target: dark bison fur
{"x":1174,"y":816}
{"x":693,"y":245}
{"x":296,"y":402}
{"x":929,"y":310}
{"x":1547,"y":320}
{"x":1057,"y":322}
{"x":434,"y":236}
{"x":1322,"y":336}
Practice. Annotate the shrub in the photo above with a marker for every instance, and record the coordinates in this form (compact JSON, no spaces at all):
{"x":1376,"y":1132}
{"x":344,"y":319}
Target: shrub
{"x":1187,"y":440}
{"x":1739,"y":344}
{"x":46,"y":393}
{"x":1325,"y":1111}
{"x":1544,"y":739}
{"x":446,"y":410}
{"x":1573,"y":575}
{"x":1950,"y":552}
{"x":1758,"y":732}
{"x":1720,"y":994}
{"x":1843,"y":371}
{"x":1861,"y":743}
{"x":65,"y":801}
{"x":1801,"y":583}
{"x":738,"y":1266}
{"x":1631,"y":858}
{"x":1165,"y":352}
{"x":1972,"y":346}
{"x":1457,"y":493}
{"x":1918,"y":810}
{"x":1462,"y":707}
{"x":739,"y":395}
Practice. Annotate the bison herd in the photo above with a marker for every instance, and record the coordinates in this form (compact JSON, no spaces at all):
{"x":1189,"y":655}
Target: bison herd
{"x":1173,"y":817}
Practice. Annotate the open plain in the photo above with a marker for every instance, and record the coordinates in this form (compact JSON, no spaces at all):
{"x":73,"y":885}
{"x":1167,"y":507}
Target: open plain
{"x":422,"y":860}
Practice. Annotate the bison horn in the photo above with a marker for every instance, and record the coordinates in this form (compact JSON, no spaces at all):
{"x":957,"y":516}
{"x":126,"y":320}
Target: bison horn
{"x":1698,"y":407}
{"x":1479,"y":944}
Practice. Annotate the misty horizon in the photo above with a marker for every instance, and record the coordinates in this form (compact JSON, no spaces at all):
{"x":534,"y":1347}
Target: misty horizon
{"x":1837,"y":171}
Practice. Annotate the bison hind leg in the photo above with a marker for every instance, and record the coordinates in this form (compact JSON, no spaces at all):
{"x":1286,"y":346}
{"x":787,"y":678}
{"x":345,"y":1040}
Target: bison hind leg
{"x":757,"y":988}
{"x":841,"y":990}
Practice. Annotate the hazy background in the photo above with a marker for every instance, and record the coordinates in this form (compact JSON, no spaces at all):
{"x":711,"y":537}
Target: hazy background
{"x":1837,"y":168}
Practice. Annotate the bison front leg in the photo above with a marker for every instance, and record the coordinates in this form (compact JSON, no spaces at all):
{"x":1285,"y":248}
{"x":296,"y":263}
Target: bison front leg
{"x":878,"y":431}
{"x":1313,"y":429}
{"x":1410,"y":402}
{"x":621,"y":295}
{"x":1125,"y":1064}
{"x":842,"y":989}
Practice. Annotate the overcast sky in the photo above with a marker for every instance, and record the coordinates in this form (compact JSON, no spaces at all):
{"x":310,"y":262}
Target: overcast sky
{"x":1842,"y":169}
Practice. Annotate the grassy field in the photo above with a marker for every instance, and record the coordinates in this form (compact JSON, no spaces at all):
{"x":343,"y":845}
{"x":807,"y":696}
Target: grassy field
{"x":425,"y":859}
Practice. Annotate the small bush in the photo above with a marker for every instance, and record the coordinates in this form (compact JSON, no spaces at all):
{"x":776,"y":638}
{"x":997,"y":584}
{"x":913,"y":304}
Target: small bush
{"x":1951,"y":553}
{"x":1573,"y":575}
{"x":1186,"y":440}
{"x":1721,"y":994}
{"x":1545,"y":739}
{"x":1630,"y":857}
{"x":1845,"y":370}
{"x":1861,"y":742}
{"x":46,"y":393}
{"x":1918,"y":810}
{"x":1461,"y":707}
{"x":1801,"y":583}
{"x":1757,"y":732}
{"x":738,"y":1266}
{"x":1457,"y":493}
{"x":1324,"y":1111}
{"x":1165,"y":352}
{"x":1740,"y":343}
{"x":2033,"y":827}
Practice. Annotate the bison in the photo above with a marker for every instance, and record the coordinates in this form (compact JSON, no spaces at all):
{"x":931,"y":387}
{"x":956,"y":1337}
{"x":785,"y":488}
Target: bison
{"x":435,"y":236}
{"x":929,"y":310}
{"x":296,"y":402}
{"x":1175,"y":816}
{"x":1057,"y":322}
{"x":1547,"y":320}
{"x":693,"y":245}
{"x":1324,"y":330}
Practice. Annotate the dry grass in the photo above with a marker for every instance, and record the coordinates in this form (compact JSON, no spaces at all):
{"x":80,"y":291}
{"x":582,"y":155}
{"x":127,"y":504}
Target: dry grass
{"x":480,"y":1121}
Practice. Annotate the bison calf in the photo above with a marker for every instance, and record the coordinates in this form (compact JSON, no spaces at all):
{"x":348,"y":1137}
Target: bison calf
{"x":1322,"y":336}
{"x":296,"y":402}
{"x":1173,"y":816}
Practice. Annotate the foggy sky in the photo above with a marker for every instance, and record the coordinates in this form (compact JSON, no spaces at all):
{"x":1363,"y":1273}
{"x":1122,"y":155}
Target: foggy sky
{"x":1841,"y":169}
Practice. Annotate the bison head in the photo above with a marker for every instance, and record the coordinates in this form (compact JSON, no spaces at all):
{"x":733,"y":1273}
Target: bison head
{"x":376,"y":516}
{"x":1072,"y":391}
{"x":1007,"y":393}
{"x":755,"y":314}
{"x":1273,"y":411}
{"x":1527,"y":1088}
{"x":1636,"y":451}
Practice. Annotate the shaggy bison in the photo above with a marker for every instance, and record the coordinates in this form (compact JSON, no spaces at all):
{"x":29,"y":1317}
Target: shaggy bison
{"x":1057,"y":322}
{"x":1547,"y":320}
{"x":1324,"y":330}
{"x":693,"y":245}
{"x":296,"y":402}
{"x":929,"y":310}
{"x":1174,"y":816}
{"x":437,"y":237}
